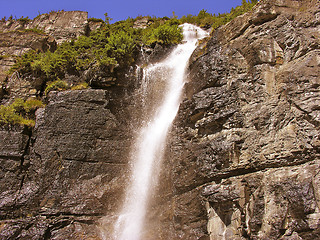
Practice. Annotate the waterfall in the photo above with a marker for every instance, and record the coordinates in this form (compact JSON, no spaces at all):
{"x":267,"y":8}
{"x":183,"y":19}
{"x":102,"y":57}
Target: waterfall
{"x":165,"y":80}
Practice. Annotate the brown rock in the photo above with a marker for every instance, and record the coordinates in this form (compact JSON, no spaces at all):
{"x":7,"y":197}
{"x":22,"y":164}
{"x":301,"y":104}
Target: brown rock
{"x":251,"y":104}
{"x":242,"y":159}
{"x":62,"y":25}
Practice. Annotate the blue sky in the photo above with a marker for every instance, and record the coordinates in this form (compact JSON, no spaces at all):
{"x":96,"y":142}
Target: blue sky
{"x":116,"y":9}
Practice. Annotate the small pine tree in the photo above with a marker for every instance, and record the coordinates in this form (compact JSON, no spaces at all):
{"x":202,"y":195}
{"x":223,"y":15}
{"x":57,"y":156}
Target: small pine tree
{"x":107,"y":18}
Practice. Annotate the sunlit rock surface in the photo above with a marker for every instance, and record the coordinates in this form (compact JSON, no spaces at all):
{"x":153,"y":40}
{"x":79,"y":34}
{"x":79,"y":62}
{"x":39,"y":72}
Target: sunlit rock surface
{"x":244,"y":151}
{"x":242,"y":159}
{"x":62,"y":25}
{"x":41,"y":34}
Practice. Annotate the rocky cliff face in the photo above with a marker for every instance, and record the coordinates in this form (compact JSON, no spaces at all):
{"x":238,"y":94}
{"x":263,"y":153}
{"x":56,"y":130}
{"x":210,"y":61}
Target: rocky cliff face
{"x":61,"y":25}
{"x":245,"y":146}
{"x":60,"y":179}
{"x":41,"y":34}
{"x":242,"y":159}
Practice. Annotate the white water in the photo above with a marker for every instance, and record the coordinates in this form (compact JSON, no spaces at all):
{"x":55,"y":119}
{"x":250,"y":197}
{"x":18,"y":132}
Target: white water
{"x":151,"y":141}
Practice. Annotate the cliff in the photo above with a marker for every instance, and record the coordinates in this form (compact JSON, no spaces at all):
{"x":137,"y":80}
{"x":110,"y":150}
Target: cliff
{"x":244,"y":151}
{"x":43,"y":33}
{"x":242,"y":158}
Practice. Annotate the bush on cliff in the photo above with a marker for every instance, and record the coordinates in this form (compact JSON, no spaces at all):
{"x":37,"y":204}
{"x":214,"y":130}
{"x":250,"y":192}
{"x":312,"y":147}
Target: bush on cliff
{"x":53,"y":65}
{"x":208,"y":20}
{"x":57,"y":85}
{"x":20,"y":112}
{"x":80,"y":86}
{"x":23,"y":63}
{"x":60,"y":85}
{"x":167,"y":34}
{"x":120,"y":47}
{"x":115,"y":46}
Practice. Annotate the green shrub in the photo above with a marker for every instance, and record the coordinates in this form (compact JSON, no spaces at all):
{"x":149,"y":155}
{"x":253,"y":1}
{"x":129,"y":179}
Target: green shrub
{"x":95,"y":20}
{"x":110,"y":46}
{"x":9,"y":116}
{"x":20,"y":112}
{"x":83,"y":43}
{"x":102,"y":58}
{"x":167,"y":34}
{"x":35,"y":30}
{"x":24,"y":20}
{"x":58,"y":85}
{"x":120,"y":46}
{"x":80,"y":86}
{"x":115,"y":45}
{"x":207,"y":20}
{"x":23,"y":63}
{"x":55,"y":64}
{"x":49,"y":64}
{"x":32,"y":104}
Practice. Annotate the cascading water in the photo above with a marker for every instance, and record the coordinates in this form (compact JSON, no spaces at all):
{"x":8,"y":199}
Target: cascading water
{"x":168,"y":78}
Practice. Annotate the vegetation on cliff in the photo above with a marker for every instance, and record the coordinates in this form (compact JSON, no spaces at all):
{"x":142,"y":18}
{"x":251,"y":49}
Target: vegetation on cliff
{"x":20,"y":112}
{"x":110,"y":48}
{"x":115,"y":45}
{"x":60,"y":85}
{"x":208,"y":20}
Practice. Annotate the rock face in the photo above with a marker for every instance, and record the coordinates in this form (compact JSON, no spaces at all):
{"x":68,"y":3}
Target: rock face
{"x":61,"y":25}
{"x":245,"y":147}
{"x":143,"y":22}
{"x":242,"y":158}
{"x":16,"y":43}
{"x":42,"y":33}
{"x":66,"y":175}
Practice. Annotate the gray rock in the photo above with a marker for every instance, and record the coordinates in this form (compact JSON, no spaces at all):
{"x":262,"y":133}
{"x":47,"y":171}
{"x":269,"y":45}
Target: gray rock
{"x":250,"y":109}
{"x":242,"y":158}
{"x":62,"y":25}
{"x":75,"y":168}
{"x":143,"y":23}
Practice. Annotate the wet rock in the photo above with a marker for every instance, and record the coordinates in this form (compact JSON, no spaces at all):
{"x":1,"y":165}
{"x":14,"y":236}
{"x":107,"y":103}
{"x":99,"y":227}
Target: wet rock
{"x":100,"y":78}
{"x":156,"y":53}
